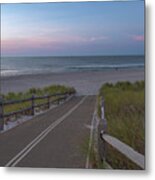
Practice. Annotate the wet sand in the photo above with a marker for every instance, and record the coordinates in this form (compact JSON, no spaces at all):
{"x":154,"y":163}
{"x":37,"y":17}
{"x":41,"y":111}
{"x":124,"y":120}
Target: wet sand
{"x":86,"y":83}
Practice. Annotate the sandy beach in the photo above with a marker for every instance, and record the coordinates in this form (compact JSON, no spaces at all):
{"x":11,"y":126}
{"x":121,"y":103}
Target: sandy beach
{"x":86,"y":83}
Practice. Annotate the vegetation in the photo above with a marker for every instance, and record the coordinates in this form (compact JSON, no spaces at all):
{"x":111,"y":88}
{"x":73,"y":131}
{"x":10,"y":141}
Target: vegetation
{"x":125,"y":113}
{"x":118,"y":160}
{"x":53,"y":89}
{"x":49,"y":90}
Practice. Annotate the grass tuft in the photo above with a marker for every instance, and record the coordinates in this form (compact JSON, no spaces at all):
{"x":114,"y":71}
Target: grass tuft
{"x":125,"y":112}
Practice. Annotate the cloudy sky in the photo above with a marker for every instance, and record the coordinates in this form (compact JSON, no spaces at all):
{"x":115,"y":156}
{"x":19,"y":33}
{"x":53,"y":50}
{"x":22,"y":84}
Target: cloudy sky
{"x":60,"y":29}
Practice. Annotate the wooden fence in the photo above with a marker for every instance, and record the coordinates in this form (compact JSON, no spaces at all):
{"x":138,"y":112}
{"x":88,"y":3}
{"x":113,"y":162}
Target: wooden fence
{"x":121,"y":147}
{"x":33,"y":104}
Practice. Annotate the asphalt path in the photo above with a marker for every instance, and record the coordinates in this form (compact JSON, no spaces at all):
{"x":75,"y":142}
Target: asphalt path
{"x":59,"y":138}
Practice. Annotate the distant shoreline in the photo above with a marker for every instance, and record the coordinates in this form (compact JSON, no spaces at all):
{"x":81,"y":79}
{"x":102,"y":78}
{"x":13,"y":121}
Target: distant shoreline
{"x":85,"y":82}
{"x":140,"y":68}
{"x":88,"y":55}
{"x":47,"y":65}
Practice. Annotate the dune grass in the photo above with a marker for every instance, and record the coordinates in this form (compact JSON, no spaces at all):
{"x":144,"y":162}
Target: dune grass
{"x":38,"y":92}
{"x":49,"y":90}
{"x":125,"y":112}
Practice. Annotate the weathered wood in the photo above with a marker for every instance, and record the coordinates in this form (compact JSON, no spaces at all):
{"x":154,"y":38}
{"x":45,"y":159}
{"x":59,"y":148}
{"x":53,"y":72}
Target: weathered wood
{"x":33,"y":105}
{"x":17,"y":112}
{"x":16,"y":101}
{"x":29,"y":99}
{"x":48,"y":101}
{"x":57,"y":100}
{"x":41,"y":104}
{"x":102,"y":108}
{"x":40,"y":97}
{"x":126,"y":150}
{"x":61,"y":96}
{"x":103,"y":115}
{"x":1,"y":115}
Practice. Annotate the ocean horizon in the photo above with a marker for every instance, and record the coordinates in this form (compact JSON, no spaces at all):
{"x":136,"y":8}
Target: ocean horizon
{"x":12,"y":66}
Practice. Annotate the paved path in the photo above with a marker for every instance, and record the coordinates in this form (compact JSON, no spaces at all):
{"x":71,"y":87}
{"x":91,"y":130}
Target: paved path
{"x":58,"y":138}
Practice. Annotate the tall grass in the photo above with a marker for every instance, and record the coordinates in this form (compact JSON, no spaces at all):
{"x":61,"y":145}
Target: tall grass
{"x":49,"y":90}
{"x":125,"y":112}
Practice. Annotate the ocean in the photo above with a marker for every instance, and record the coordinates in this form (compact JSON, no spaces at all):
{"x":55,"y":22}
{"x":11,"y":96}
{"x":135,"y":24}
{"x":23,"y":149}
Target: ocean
{"x":12,"y":66}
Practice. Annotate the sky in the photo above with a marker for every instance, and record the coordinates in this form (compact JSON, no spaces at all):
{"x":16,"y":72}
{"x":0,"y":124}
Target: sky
{"x":70,"y":29}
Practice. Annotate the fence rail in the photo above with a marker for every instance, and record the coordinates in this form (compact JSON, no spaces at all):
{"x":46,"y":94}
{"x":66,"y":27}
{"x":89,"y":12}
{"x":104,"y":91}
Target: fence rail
{"x":33,"y":104}
{"x":121,"y":147}
{"x":126,"y":150}
{"x":16,"y":101}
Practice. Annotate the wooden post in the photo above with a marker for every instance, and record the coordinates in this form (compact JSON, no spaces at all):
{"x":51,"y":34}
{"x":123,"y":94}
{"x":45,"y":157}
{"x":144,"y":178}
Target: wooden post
{"x":103,"y":147}
{"x":1,"y":115}
{"x":58,"y":101}
{"x":104,"y":128}
{"x":48,"y":101}
{"x":33,"y":105}
{"x":103,"y":115}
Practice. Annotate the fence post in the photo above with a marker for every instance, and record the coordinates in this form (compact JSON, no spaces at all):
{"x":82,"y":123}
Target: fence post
{"x":48,"y":101}
{"x":104,"y":129}
{"x":103,"y":115}
{"x":58,"y":101}
{"x":33,"y":105}
{"x":1,"y":115}
{"x":103,"y":147}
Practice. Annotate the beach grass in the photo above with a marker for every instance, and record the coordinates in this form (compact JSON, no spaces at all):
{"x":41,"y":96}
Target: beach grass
{"x":125,"y":114}
{"x":49,"y":90}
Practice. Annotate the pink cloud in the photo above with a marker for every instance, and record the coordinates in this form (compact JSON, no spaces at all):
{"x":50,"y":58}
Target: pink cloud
{"x":46,"y":42}
{"x":98,"y":38}
{"x":138,"y":37}
{"x":11,"y":45}
{"x":25,"y":45}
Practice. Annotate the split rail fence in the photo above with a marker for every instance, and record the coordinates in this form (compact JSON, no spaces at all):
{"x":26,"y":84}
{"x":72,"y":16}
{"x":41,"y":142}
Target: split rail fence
{"x":121,"y":147}
{"x":33,"y":103}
